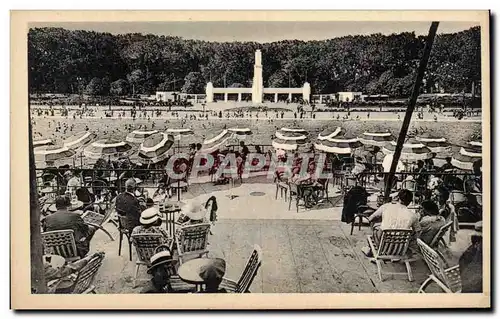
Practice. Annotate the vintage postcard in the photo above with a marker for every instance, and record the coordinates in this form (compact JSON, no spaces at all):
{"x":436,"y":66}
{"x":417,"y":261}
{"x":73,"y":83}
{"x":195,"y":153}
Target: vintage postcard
{"x":250,"y":160}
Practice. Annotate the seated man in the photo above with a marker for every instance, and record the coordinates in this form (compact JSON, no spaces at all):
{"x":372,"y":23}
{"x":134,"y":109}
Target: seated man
{"x":430,"y":222}
{"x":63,"y":219}
{"x":393,"y":216}
{"x":150,"y":224}
{"x":128,"y":205}
{"x":161,"y":269}
{"x":471,"y":265}
{"x":213,"y":273}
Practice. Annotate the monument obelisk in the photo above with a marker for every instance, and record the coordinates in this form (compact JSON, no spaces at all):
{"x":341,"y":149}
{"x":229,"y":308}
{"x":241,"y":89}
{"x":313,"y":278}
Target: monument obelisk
{"x":257,"y":85}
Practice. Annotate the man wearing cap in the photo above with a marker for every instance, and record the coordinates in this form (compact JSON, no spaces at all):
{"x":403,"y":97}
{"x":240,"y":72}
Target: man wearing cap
{"x":63,"y":219}
{"x":212,"y":274}
{"x":150,"y":224}
{"x":128,"y":205}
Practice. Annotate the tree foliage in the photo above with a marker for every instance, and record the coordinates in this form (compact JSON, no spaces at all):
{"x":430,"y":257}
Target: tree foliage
{"x":61,"y":60}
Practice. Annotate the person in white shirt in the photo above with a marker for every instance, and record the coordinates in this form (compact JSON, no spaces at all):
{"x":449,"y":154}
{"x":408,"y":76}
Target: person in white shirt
{"x":74,"y":181}
{"x":394,"y":216}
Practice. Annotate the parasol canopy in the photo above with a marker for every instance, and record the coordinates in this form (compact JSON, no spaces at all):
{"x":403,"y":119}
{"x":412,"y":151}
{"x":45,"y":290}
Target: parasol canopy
{"x":376,"y":138}
{"x":217,"y":142}
{"x":438,"y":145}
{"x":294,"y":130}
{"x":338,"y":145}
{"x":105,"y":147}
{"x":413,"y":150}
{"x":467,"y":156}
{"x":179,"y":132}
{"x":330,"y":133}
{"x":291,"y":136}
{"x":79,"y":140}
{"x":240,"y":131}
{"x":139,"y":136}
{"x":287,"y":145}
{"x":155,"y":147}
{"x":44,"y":142}
{"x":52,"y":153}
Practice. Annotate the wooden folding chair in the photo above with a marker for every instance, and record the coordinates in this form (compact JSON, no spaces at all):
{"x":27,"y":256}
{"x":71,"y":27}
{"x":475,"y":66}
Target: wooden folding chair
{"x":192,"y":240}
{"x":447,"y":279}
{"x":98,"y":220}
{"x":393,"y":246}
{"x":86,"y":275}
{"x":62,"y":243}
{"x":252,"y":266}
{"x":145,"y":246}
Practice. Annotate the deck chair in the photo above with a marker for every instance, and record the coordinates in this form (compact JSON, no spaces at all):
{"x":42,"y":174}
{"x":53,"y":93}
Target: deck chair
{"x":192,"y":240}
{"x":123,"y":230}
{"x":393,"y":246}
{"x":248,"y":275}
{"x":439,"y":238}
{"x":447,"y":279}
{"x":145,"y":246}
{"x":62,"y":243}
{"x":85,"y":277}
{"x":98,"y":220}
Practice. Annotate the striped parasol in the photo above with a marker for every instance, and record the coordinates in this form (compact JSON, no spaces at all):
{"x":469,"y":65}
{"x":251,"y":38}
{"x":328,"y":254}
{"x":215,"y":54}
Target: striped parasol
{"x":438,"y":145}
{"x":413,"y":150}
{"x":78,"y":140}
{"x":179,"y":132}
{"x":338,"y":145}
{"x":289,"y":139}
{"x":52,"y":153}
{"x":467,"y":156}
{"x":240,"y":133}
{"x":294,"y":130}
{"x":376,"y":138}
{"x":330,"y":133}
{"x":44,"y":142}
{"x":105,"y":147}
{"x":138,"y":136}
{"x":155,"y":147}
{"x":217,"y":142}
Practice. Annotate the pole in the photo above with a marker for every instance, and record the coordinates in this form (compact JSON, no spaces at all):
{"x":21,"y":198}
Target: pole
{"x":38,"y":283}
{"x":411,"y":106}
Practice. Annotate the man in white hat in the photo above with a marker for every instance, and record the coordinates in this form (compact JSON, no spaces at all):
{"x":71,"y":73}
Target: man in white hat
{"x":161,"y":269}
{"x":151,"y":224}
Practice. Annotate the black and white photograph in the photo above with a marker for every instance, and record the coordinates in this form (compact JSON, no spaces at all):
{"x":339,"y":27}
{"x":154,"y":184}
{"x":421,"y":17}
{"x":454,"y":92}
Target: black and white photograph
{"x":256,"y":157}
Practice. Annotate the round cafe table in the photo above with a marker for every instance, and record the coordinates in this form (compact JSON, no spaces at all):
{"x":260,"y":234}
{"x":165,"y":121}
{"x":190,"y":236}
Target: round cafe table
{"x":190,"y":271}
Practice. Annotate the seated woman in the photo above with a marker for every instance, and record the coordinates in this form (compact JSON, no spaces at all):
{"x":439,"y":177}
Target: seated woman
{"x":440,"y":196}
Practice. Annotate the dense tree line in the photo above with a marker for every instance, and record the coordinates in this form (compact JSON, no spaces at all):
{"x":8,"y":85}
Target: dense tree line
{"x":63,"y":61}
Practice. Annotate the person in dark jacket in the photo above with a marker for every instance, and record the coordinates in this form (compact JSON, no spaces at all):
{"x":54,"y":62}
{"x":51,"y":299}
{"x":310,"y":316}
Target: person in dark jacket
{"x":161,"y":269}
{"x":128,"y":205}
{"x":63,"y":219}
{"x":471,"y":266}
{"x":355,"y":197}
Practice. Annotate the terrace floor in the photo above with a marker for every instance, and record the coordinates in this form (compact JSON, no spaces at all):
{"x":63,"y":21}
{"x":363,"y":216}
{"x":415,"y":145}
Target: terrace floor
{"x":309,"y":251}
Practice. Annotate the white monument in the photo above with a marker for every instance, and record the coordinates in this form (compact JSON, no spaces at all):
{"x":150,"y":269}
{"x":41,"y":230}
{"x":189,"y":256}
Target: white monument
{"x":257,"y":90}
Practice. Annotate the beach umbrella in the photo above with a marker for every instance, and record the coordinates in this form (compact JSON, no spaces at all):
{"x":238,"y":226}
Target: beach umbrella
{"x":467,"y":156}
{"x":179,"y":133}
{"x":413,"y":150}
{"x":438,"y":145}
{"x":52,"y":153}
{"x":138,"y":136}
{"x":287,"y":145}
{"x":240,"y":132}
{"x":338,"y":145}
{"x":78,"y":140}
{"x":291,"y":136}
{"x":155,"y":147}
{"x":294,"y":130}
{"x":376,"y":138}
{"x":217,"y":142}
{"x":330,"y":133}
{"x":44,"y":142}
{"x":101,"y":148}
